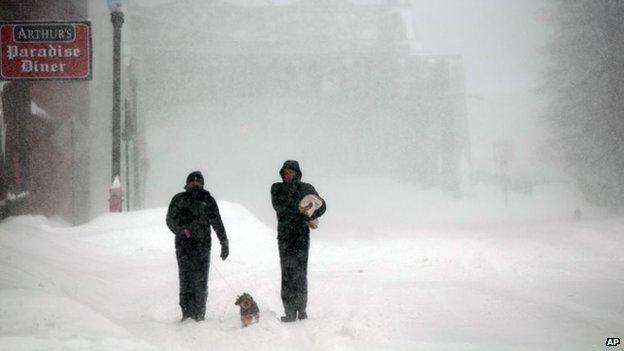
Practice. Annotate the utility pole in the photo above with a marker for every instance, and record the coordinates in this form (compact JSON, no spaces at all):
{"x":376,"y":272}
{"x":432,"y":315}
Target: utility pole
{"x":117,"y":18}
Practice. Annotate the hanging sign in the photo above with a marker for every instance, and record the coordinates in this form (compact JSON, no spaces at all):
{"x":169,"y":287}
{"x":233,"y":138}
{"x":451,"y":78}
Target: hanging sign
{"x":55,"y":50}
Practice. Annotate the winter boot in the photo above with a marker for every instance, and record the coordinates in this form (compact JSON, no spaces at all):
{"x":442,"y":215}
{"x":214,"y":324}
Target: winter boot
{"x":185,"y":316}
{"x":303,"y":315}
{"x":288,"y":319}
{"x":290,"y":316}
{"x":198,"y":318}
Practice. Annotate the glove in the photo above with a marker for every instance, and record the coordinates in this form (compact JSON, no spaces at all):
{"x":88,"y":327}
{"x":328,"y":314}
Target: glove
{"x":225,"y":250}
{"x":186,"y":233}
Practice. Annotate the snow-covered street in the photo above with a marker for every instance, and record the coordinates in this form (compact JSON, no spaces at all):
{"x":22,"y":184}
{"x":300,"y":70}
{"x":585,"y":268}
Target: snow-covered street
{"x":392,"y":175}
{"x":549,"y":284}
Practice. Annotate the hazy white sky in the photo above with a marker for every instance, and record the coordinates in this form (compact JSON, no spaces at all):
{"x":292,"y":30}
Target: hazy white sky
{"x":500,"y":40}
{"x":502,"y":43}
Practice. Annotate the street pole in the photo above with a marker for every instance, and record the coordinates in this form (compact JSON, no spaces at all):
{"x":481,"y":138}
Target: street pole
{"x":17,"y":117}
{"x":128,"y":137}
{"x":117,"y":18}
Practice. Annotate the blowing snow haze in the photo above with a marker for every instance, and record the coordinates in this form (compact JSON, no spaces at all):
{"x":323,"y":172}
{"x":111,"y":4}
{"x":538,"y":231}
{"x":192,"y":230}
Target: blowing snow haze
{"x":415,"y":91}
{"x":342,"y":87}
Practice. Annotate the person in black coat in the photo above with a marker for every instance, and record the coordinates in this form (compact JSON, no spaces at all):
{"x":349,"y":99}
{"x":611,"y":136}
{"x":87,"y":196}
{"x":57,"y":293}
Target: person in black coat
{"x":293,"y":237}
{"x":190,"y":215}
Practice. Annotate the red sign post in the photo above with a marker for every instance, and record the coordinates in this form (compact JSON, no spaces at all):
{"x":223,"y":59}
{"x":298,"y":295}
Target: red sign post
{"x":45,"y":50}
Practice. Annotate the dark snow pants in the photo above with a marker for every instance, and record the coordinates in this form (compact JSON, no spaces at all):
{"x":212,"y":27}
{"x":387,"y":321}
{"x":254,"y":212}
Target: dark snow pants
{"x":193,"y":264}
{"x":294,"y":264}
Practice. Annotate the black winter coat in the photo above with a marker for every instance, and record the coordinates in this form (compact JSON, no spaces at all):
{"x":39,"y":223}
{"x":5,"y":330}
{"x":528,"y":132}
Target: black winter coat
{"x":196,"y":210}
{"x":285,"y":197}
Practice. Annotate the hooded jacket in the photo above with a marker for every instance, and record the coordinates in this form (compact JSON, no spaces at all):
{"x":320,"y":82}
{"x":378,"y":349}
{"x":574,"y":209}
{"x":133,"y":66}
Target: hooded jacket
{"x":196,"y":210}
{"x":285,"y":197}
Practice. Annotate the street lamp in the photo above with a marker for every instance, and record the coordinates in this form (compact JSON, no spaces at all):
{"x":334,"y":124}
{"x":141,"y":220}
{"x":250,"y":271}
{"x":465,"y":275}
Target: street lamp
{"x":117,"y":18}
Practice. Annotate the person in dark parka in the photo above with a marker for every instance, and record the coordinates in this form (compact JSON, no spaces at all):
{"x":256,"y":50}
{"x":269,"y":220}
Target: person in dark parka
{"x":190,"y":215}
{"x":293,"y":237}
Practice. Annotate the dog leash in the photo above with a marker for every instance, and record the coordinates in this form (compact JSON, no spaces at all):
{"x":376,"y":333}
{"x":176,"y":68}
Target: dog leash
{"x":225,"y":280}
{"x":224,"y":312}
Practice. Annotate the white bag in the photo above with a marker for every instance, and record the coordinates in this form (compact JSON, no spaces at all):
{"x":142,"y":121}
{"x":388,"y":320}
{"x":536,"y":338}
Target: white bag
{"x":308,"y":205}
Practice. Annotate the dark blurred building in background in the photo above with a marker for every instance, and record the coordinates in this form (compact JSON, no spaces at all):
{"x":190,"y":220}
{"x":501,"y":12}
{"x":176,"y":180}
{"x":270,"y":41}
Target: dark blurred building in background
{"x":310,"y":73}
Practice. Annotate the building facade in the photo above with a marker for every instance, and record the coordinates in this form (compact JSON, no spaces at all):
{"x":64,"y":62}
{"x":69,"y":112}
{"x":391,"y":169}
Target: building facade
{"x":56,"y":135}
{"x":346,"y":72}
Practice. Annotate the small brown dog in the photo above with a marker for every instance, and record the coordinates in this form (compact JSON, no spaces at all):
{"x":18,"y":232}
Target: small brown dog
{"x":248,"y":309}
